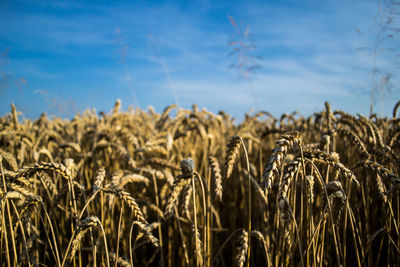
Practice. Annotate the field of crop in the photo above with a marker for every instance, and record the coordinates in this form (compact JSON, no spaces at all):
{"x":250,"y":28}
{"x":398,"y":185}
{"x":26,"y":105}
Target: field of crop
{"x":140,"y":188}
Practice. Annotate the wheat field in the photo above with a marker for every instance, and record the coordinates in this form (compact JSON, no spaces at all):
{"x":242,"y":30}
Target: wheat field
{"x":139,"y":188}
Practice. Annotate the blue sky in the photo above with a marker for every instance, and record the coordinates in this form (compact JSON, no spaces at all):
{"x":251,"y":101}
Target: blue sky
{"x":62,"y":57}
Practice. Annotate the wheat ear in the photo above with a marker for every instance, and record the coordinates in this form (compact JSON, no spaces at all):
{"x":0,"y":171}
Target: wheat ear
{"x":82,"y":228}
{"x":231,"y":154}
{"x":128,"y":199}
{"x":271,"y":169}
{"x":177,"y":188}
{"x":216,"y":172}
{"x":242,"y":248}
{"x":337,"y":199}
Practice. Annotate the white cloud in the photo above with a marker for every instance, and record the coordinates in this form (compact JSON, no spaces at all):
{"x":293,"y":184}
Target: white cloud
{"x":310,"y":53}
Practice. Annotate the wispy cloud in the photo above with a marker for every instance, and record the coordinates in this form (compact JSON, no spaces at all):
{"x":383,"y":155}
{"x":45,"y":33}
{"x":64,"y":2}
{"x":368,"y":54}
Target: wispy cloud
{"x":310,"y":52}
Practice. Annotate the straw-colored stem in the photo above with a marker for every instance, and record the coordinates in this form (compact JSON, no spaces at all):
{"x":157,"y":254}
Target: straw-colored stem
{"x":330,"y":213}
{"x":22,"y":232}
{"x":195,"y":220}
{"x":203,"y":191}
{"x":248,"y":202}
{"x":118,"y":233}
{"x":2,"y":214}
{"x":53,"y":235}
{"x":159,"y":219}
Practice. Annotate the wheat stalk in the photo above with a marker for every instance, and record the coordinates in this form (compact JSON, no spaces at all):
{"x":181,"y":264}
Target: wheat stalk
{"x":44,"y":166}
{"x":177,"y":188}
{"x":231,"y":154}
{"x":82,"y":228}
{"x":128,"y":199}
{"x":337,"y":199}
{"x":242,"y":248}
{"x":216,"y":172}
{"x":271,"y":169}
